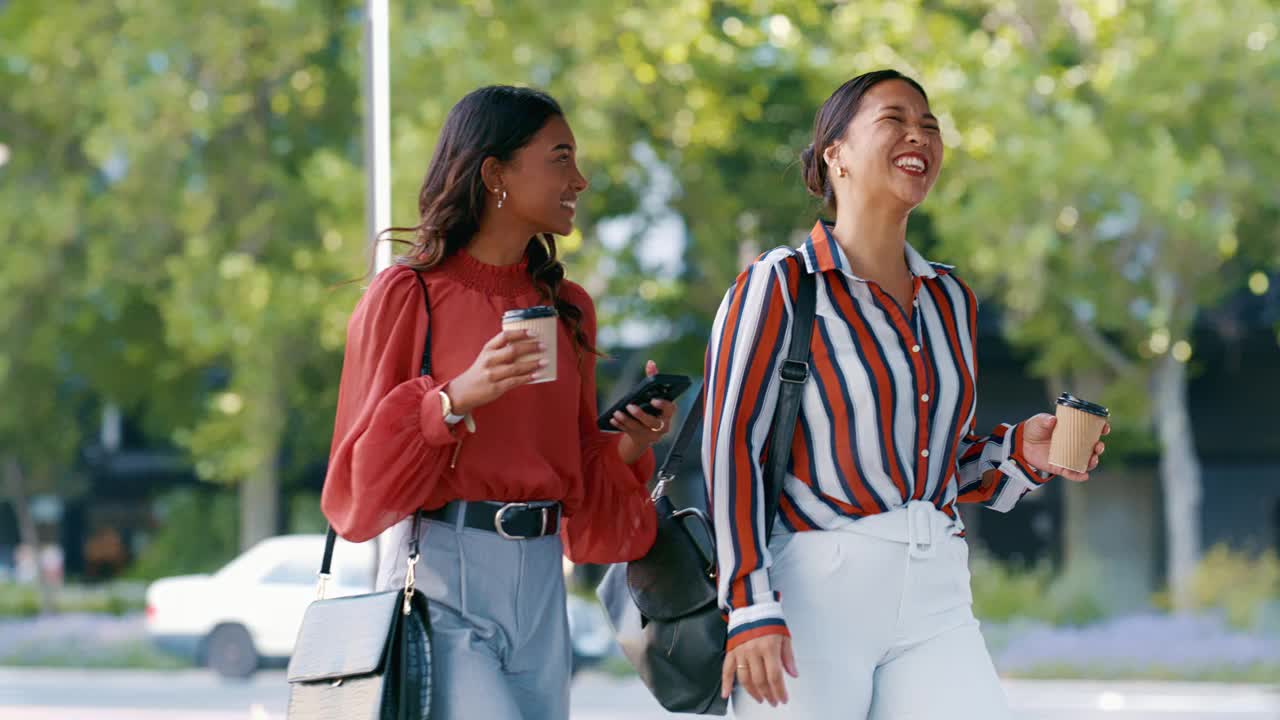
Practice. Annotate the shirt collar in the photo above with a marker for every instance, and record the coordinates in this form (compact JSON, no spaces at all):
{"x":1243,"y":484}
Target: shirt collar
{"x":821,"y":253}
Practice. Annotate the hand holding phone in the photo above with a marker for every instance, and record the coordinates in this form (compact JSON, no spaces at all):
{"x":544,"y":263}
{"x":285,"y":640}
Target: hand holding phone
{"x":663,"y":386}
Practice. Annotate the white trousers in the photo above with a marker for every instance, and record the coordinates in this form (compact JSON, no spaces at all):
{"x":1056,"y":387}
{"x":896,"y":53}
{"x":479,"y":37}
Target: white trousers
{"x":882,"y":626}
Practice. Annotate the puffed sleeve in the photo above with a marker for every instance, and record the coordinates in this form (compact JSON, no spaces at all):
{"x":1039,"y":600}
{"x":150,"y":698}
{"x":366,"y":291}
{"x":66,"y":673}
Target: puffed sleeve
{"x":390,"y":441}
{"x":612,"y":519}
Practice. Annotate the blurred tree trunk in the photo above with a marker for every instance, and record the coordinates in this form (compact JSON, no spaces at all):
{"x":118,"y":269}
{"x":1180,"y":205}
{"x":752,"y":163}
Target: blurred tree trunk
{"x":16,"y":489}
{"x":260,"y":489}
{"x":1179,"y":476}
{"x":259,"y":499}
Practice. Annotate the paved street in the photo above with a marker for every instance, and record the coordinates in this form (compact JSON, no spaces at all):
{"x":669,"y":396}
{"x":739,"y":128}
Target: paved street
{"x":196,"y":695}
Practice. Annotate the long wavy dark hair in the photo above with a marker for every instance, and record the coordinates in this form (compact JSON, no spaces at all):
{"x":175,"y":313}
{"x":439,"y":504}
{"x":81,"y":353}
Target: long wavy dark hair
{"x":493,"y":121}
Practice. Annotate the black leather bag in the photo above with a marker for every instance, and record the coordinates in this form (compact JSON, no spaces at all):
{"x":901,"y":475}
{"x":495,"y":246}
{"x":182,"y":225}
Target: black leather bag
{"x":663,"y":607}
{"x":365,"y":657}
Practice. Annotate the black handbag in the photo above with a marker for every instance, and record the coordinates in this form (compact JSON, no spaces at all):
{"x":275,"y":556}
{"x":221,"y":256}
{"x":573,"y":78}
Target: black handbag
{"x":663,"y":607}
{"x":365,"y":656}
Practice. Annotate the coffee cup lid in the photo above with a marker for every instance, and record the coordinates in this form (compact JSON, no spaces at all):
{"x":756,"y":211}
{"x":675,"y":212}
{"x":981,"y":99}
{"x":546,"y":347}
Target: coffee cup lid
{"x":529,"y":313}
{"x":1074,"y":402}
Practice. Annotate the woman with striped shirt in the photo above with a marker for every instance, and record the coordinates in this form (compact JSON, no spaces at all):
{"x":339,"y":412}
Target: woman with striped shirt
{"x":866,"y":573}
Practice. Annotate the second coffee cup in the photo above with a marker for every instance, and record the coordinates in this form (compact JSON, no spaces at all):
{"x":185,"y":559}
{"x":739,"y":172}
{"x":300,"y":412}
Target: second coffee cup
{"x":541,"y":321}
{"x":1080,"y":424}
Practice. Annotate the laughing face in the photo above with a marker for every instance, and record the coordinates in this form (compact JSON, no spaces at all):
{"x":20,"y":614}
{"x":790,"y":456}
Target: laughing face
{"x":542,"y":180}
{"x":892,"y":148}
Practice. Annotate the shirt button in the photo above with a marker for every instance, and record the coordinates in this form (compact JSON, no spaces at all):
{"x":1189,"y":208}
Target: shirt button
{"x":924,"y":453}
{"x":924,"y":397}
{"x":915,"y":348}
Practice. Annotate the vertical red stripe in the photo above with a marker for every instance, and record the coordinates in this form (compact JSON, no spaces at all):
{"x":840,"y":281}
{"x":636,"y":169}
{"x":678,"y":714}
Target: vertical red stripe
{"x":884,"y":383}
{"x":755,"y":382}
{"x":920,"y":372}
{"x":967,"y":382}
{"x":724,"y":350}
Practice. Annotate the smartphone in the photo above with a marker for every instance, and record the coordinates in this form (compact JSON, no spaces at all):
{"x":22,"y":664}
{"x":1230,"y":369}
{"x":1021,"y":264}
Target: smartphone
{"x":659,"y":387}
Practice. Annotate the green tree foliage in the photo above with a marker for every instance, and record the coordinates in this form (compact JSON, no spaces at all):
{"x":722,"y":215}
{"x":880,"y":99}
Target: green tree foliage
{"x":182,"y":189}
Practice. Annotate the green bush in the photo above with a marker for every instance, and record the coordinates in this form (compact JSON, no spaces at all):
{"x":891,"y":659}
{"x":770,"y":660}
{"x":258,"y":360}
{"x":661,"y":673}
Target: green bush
{"x":115,"y":598}
{"x":1238,"y":584}
{"x":136,"y":654}
{"x":18,"y":600}
{"x":1003,"y":592}
{"x":199,"y":532}
{"x":1072,"y":595}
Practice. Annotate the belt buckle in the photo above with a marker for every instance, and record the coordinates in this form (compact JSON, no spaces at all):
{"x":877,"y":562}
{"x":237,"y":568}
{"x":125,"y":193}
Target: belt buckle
{"x":545,"y":507}
{"x":497,"y":520}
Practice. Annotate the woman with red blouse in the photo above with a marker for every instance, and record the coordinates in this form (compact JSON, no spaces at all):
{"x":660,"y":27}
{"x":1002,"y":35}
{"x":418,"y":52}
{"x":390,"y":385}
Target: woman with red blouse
{"x":510,"y":472}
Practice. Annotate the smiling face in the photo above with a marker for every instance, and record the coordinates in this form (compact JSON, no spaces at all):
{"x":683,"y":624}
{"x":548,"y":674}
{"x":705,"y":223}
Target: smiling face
{"x":542,"y":180}
{"x":892,"y":148}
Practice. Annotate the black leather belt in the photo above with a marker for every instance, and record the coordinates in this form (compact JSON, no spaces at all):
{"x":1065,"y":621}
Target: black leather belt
{"x":513,"y":521}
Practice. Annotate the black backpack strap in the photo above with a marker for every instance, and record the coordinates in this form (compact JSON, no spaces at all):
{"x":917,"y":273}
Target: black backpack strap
{"x":792,"y":377}
{"x":330,"y":535}
{"x":675,"y":456}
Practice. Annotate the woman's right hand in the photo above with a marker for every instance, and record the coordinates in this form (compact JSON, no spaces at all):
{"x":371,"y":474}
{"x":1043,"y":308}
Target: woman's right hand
{"x":758,"y":665}
{"x":498,"y":368}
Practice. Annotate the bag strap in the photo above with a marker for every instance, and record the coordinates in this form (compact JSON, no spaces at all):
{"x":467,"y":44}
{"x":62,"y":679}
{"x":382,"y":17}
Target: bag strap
{"x":426,"y":347}
{"x":331,"y":535}
{"x":675,"y":456}
{"x":792,"y":376}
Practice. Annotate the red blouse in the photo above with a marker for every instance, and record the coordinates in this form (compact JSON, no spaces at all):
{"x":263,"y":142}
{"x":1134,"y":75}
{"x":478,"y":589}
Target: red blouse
{"x":392,"y":449}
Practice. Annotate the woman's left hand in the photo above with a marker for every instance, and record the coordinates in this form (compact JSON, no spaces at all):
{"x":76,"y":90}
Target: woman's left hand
{"x":640,"y":429}
{"x":1037,"y":433}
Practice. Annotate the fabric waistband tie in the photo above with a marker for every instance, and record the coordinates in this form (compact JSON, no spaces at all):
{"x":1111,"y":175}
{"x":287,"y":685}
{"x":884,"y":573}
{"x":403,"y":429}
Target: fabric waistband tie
{"x":918,"y":524}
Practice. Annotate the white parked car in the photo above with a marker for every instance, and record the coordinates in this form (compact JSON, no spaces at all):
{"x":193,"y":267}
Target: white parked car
{"x":247,"y":614}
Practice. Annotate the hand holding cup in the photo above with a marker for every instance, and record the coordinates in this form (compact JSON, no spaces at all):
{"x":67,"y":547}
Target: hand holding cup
{"x":510,"y":359}
{"x":1067,"y":444}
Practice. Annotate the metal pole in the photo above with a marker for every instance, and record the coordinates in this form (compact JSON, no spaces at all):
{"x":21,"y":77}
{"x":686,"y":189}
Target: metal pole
{"x":377,"y":154}
{"x":377,"y":128}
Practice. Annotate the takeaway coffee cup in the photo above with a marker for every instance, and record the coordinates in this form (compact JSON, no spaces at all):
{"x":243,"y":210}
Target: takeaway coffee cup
{"x":540,"y":321}
{"x":1080,"y":424}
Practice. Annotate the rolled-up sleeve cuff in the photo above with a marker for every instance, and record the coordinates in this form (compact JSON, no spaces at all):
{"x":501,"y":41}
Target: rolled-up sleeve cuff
{"x":753,"y":621}
{"x":1013,"y":447}
{"x":1020,"y":477}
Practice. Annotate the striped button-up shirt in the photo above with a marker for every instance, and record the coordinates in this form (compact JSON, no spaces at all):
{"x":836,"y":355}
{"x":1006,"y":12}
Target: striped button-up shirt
{"x":887,"y":415}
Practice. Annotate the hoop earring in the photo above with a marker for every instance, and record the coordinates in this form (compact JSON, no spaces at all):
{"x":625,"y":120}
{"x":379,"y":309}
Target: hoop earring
{"x":503,"y":198}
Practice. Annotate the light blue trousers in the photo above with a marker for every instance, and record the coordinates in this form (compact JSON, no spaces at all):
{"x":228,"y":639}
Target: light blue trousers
{"x":499,"y":629}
